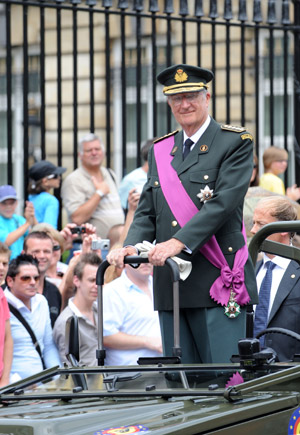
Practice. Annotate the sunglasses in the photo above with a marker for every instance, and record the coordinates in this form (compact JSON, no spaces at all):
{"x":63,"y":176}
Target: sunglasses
{"x":27,"y":279}
{"x":53,"y":176}
{"x":56,"y":248}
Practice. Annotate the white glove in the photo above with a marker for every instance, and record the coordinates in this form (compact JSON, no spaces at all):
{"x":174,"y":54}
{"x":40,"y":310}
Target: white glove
{"x":185,"y":267}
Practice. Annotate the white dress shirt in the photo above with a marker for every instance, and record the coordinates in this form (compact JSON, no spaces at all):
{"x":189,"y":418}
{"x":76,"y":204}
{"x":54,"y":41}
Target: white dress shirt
{"x":277,"y":275}
{"x":198,"y":133}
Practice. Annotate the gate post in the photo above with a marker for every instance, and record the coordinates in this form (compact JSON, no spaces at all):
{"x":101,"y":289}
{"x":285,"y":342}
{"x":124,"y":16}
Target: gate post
{"x":297,"y":87}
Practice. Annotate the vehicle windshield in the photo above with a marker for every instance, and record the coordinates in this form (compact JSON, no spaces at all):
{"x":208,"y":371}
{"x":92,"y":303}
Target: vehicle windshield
{"x":136,"y":381}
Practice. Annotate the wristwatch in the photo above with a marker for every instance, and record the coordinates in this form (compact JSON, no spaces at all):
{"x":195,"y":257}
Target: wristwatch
{"x":100,"y":193}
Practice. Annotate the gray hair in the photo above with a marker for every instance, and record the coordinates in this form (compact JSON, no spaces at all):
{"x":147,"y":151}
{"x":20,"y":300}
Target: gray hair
{"x":89,"y":137}
{"x":280,"y":208}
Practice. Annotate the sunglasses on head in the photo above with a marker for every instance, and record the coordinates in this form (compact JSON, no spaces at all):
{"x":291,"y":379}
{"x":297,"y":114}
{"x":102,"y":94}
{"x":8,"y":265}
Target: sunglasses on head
{"x":56,"y":248}
{"x":26,"y":279}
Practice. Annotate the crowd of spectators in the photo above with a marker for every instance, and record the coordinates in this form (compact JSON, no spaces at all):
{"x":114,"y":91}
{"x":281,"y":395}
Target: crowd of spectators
{"x":42,"y":286}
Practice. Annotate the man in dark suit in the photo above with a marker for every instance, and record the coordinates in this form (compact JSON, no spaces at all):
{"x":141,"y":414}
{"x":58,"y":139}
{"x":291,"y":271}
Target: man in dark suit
{"x":283,"y":308}
{"x":196,"y":184}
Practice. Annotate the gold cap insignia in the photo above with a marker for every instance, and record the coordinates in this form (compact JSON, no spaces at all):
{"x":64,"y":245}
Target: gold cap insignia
{"x":203,"y":148}
{"x":180,"y":76}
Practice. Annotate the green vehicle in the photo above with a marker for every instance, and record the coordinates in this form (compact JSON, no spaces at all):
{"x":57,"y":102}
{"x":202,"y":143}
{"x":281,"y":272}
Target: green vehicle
{"x":252,"y":395}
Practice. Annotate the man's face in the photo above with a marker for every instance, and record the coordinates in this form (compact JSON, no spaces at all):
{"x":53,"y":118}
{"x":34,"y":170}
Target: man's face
{"x":190,"y":110}
{"x":4,"y":260}
{"x":42,"y":250}
{"x":92,"y":155}
{"x":262,"y":217}
{"x":8,"y":207}
{"x":143,"y":271}
{"x":24,"y":285}
{"x":87,"y":287}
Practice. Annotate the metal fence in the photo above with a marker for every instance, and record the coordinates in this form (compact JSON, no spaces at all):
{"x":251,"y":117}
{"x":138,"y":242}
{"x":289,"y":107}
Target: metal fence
{"x":253,"y":47}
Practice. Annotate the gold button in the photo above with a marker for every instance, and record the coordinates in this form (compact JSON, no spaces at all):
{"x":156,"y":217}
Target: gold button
{"x":230,"y":249}
{"x":174,"y":223}
{"x":206,"y":177}
{"x":293,"y":276}
{"x":156,"y":183}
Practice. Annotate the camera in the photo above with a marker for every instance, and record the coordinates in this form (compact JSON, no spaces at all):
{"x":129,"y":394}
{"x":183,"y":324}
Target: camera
{"x":78,"y":230}
{"x":103,"y":244}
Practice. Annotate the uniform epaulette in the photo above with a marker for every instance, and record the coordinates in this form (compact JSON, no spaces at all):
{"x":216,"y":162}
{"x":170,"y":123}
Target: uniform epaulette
{"x":234,"y":128}
{"x":167,"y":135}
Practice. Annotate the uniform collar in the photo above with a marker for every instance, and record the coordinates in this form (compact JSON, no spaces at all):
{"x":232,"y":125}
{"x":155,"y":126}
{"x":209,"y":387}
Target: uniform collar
{"x":196,"y":136}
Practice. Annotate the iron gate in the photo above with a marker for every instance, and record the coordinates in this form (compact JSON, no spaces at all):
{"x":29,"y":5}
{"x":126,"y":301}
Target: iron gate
{"x":68,"y":67}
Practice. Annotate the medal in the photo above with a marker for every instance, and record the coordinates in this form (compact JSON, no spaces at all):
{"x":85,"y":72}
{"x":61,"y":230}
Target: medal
{"x":232,"y":309}
{"x":205,"y":194}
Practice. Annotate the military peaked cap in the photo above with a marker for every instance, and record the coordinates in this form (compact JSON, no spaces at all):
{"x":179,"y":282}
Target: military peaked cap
{"x":184,"y":78}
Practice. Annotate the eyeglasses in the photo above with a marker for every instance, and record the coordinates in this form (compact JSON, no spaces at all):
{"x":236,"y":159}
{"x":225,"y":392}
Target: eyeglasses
{"x":56,"y":247}
{"x":91,"y":150}
{"x":52,"y":176}
{"x":190,"y":98}
{"x":27,"y":279}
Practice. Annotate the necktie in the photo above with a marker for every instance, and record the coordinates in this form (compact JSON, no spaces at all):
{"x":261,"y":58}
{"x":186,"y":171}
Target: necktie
{"x":187,"y":147}
{"x":261,"y":313}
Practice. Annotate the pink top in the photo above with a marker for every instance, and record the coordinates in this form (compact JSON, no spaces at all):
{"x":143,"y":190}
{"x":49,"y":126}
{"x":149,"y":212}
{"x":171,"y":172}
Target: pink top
{"x":4,"y":315}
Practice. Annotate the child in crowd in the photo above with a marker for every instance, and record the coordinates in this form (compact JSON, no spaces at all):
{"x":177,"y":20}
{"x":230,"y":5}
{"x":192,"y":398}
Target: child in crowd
{"x":6,"y":341}
{"x":14,"y":228}
{"x":45,"y":176}
{"x":275,"y":163}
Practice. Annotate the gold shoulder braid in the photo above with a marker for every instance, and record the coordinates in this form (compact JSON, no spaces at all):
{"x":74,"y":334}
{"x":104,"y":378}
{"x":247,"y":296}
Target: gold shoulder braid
{"x":246,"y":136}
{"x":165,"y":136}
{"x":233,"y":128}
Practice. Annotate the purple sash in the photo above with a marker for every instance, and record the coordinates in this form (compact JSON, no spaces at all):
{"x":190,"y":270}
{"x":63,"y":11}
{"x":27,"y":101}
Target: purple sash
{"x":184,"y":209}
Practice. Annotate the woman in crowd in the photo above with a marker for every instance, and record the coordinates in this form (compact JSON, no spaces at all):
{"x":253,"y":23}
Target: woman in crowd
{"x":44,"y":176}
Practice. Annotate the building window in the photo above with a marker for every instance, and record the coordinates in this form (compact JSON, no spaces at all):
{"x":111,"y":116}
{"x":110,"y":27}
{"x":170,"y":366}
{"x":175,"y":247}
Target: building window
{"x":131,"y":106}
{"x":17,"y":114}
{"x":278,"y":109}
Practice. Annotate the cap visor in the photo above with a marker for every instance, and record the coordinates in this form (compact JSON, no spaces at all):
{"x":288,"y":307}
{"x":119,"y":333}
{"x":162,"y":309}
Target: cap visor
{"x":8,"y":197}
{"x":59,"y":170}
{"x":184,"y":90}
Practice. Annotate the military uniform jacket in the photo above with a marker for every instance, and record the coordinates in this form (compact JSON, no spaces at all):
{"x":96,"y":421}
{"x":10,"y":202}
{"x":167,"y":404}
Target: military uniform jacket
{"x":222,"y":160}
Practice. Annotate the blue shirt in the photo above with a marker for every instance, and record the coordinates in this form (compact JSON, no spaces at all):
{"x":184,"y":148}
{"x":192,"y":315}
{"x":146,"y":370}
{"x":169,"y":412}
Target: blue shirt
{"x":7,"y":226}
{"x":26,"y":360}
{"x":46,"y":208}
{"x":137,"y":179}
